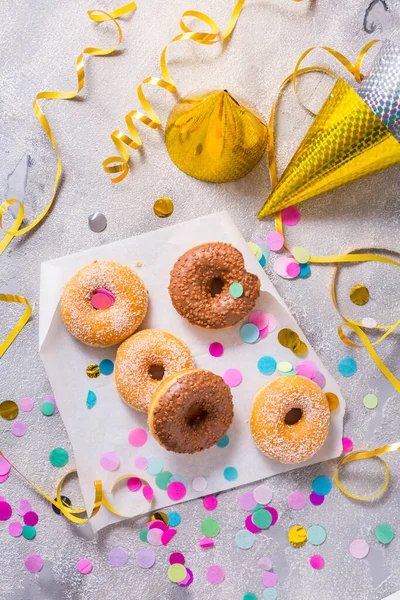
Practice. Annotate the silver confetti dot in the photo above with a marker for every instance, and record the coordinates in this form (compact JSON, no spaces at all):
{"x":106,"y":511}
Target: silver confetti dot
{"x":97,"y":222}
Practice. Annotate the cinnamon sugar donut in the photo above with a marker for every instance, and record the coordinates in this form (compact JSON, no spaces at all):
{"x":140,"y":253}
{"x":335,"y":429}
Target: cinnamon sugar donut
{"x":144,"y":360}
{"x":190,"y":411}
{"x":286,"y":400}
{"x":200,"y":281}
{"x":111,"y":325}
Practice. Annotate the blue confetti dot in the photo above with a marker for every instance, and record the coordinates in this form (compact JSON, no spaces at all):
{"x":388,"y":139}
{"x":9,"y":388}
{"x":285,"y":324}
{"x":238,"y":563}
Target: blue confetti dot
{"x":321,"y":485}
{"x":178,"y":478}
{"x":155,"y":465}
{"x":249,"y":333}
{"x":223,"y":442}
{"x":174,"y":519}
{"x":230,"y":474}
{"x":244,"y":539}
{"x":266,"y":365}
{"x":347,"y":366}
{"x":305,"y":270}
{"x":263,"y":261}
{"x":106,"y":366}
{"x":91,"y":399}
{"x":270,"y":594}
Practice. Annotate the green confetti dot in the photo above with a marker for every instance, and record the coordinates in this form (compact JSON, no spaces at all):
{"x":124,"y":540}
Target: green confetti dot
{"x":210,"y":527}
{"x":28,"y":532}
{"x":316,"y":535}
{"x":58,"y":457}
{"x":249,"y":596}
{"x":236,"y":290}
{"x":384,"y":533}
{"x":257,"y":507}
{"x":163,"y":479}
{"x":47,"y":408}
{"x":262,"y":519}
{"x":370,"y":401}
{"x":285,"y":367}
{"x":143,"y":534}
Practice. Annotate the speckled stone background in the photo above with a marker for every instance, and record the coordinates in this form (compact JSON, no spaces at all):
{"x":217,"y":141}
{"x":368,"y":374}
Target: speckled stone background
{"x":39,"y":43}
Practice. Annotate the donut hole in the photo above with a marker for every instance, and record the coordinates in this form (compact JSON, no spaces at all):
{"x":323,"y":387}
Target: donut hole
{"x":216,"y":286}
{"x":293,"y":416}
{"x":156,"y":372}
{"x":196,"y":416}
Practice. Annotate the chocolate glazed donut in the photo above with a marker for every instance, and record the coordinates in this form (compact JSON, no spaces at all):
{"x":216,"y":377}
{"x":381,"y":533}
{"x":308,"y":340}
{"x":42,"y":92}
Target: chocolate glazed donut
{"x":200,"y":281}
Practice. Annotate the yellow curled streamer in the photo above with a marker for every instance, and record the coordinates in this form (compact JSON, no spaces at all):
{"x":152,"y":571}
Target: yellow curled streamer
{"x":351,"y":257}
{"x":21,"y":322}
{"x":97,"y":16}
{"x":363,"y":456}
{"x":71,"y":513}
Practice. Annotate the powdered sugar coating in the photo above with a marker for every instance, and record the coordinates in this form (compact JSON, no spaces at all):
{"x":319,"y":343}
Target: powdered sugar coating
{"x":137,"y":354}
{"x":290,"y":443}
{"x":112,"y":325}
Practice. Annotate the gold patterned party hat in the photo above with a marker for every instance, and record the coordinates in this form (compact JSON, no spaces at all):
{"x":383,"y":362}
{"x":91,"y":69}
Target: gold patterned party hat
{"x":214,"y":138}
{"x":347,"y":141}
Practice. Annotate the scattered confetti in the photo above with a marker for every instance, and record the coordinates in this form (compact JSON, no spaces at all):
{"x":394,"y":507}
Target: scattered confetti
{"x":155,"y":465}
{"x":206,"y":542}
{"x":359,"y":295}
{"x":97,"y":222}
{"x":333,"y":401}
{"x":262,"y":519}
{"x":347,"y":366}
{"x":210,"y":502}
{"x":223,"y":442}
{"x":265,"y":563}
{"x":275,"y":241}
{"x":307,"y":368}
{"x":24,"y":506}
{"x":177,"y":573}
{"x":137,"y":437}
{"x":359,"y":548}
{"x":347,"y":444}
{"x":4,"y":466}
{"x":163,"y":207}
{"x":249,"y":596}
{"x":256,"y":250}
{"x":50,"y":398}
{"x":317,"y":562}
{"x":236,"y":290}
{"x":270,"y":579}
{"x":148,"y":493}
{"x":290,"y":339}
{"x":58,"y":457}
{"x":233,"y":377}
{"x":321,"y":485}
{"x":18,"y":428}
{"x":301,"y":254}
{"x":285,"y":367}
{"x":316,"y":535}
{"x":293,"y":269}
{"x":215,"y":574}
{"x":143,"y":534}
{"x":244,"y":539}
{"x":154,"y":537}
{"x":106,"y":367}
{"x":91,"y":399}
{"x":270,"y":594}
{"x":210,"y":528}
{"x":141,"y":462}
{"x":93,"y":371}
{"x":266,"y":365}
{"x":109,"y":461}
{"x":28,"y":532}
{"x":9,"y":410}
{"x":305,"y":271}
{"x":134,"y":484}
{"x":157,"y":524}
{"x":370,"y":401}
{"x":174,"y":519}
{"x":118,"y":557}
{"x":5,"y":511}
{"x":176,"y":558}
{"x":188,"y":579}
{"x":297,"y":500}
{"x":167,"y":536}
{"x":249,"y":333}
{"x":262,"y":494}
{"x":47,"y":408}
{"x":15,"y":529}
{"x":259,"y":319}
{"x":34,"y":563}
{"x":199,"y":484}
{"x":216,"y":349}
{"x":281,"y":266}
{"x":84,"y":566}
{"x":230,"y":473}
{"x":290,"y":215}
{"x":31,"y":518}
{"x":297,"y":536}
{"x":248,"y":523}
{"x":319,"y":379}
{"x":145,"y":558}
{"x":273,"y":512}
{"x":26,"y":404}
{"x":316,"y":499}
{"x":384,"y":533}
{"x":247,"y":501}
{"x":176,"y":491}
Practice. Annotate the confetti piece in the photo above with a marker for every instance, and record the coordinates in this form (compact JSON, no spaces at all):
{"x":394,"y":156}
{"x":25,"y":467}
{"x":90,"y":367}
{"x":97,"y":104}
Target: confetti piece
{"x":333,"y":401}
{"x":97,"y":222}
{"x":347,"y":444}
{"x":176,"y":491}
{"x":290,"y":215}
{"x":230,"y":473}
{"x":265,"y":563}
{"x":270,"y":594}
{"x":159,"y":516}
{"x":236,"y":290}
{"x":210,"y":527}
{"x":5,"y":511}
{"x":34,"y":563}
{"x":163,"y":207}
{"x":384,"y":533}
{"x":285,"y":367}
{"x":359,"y":548}
{"x":259,"y":319}
{"x":272,"y":322}
{"x":297,"y":500}
{"x":347,"y":366}
{"x":118,"y":557}
{"x":154,"y":537}
{"x":301,"y":254}
{"x":305,"y":271}
{"x":262,"y":519}
{"x":297,"y":536}
{"x":216,"y":349}
{"x":316,"y":535}
{"x":18,"y":428}
{"x":163,"y":479}
{"x":188,"y":580}
{"x":319,"y":379}
{"x":15,"y":529}
{"x":47,"y":409}
{"x":307,"y":368}
{"x":167,"y":536}
{"x":206,"y":542}
{"x":93,"y":371}
{"x":359,"y":295}
{"x":4,"y":478}
{"x":293,"y":269}
{"x":248,"y":523}
{"x":101,"y":300}
{"x":199,"y":484}
{"x":141,"y":462}
{"x":215,"y":574}
{"x":317,"y":562}
{"x":177,"y":573}
{"x":24,"y":507}
{"x":145,"y":558}
{"x":26,"y":404}
{"x":321,"y":485}
{"x":270,"y":579}
{"x":281,"y":265}
{"x":4,"y":466}
{"x":137,"y":437}
{"x":155,"y":465}
{"x":316,"y":499}
{"x":176,"y":558}
{"x":233,"y":377}
{"x":58,"y":457}
{"x":134,"y":484}
{"x":244,"y":539}
{"x":31,"y":518}
{"x":223,"y":442}
{"x":178,"y":478}
{"x":249,"y":333}
{"x":275,"y":241}
{"x":210,"y":502}
{"x":250,"y":596}
{"x":143,"y":533}
{"x":28,"y":532}
{"x":247,"y":501}
{"x":370,"y":401}
{"x":9,"y":410}
{"x":256,"y":250}
{"x":84,"y":566}
{"x":106,"y":366}
{"x":148,"y":492}
{"x":157,"y":524}
{"x":262,"y":494}
{"x":369,"y":323}
{"x":266,"y":365}
{"x":109,"y":461}
{"x":174,"y":519}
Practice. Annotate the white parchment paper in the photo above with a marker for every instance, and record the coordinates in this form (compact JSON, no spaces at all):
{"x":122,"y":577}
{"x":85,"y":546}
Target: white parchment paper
{"x":105,"y":427}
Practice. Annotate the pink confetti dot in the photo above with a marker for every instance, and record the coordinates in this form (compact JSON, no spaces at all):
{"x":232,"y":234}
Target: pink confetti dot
{"x":247,"y":501}
{"x":210,"y":502}
{"x":134,"y":484}
{"x":157,"y":524}
{"x":34,"y":563}
{"x":148,"y":492}
{"x":24,"y":507}
{"x":31,"y":518}
{"x":317,"y":562}
{"x":102,"y":299}
{"x":262,"y":494}
{"x":274,"y":513}
{"x":272,"y":322}
{"x":176,"y":558}
{"x":265,"y":563}
{"x":297,"y":500}
{"x":307,"y":368}
{"x":215,"y":574}
{"x":15,"y":529}
{"x":18,"y":428}
{"x":248,"y":523}
{"x":167,"y":536}
{"x":281,"y":266}
{"x":141,"y":463}
{"x":259,"y":319}
{"x":109,"y":461}
{"x":263,"y":332}
{"x":293,"y":269}
{"x":275,"y":241}
{"x":154,"y":537}
{"x":84,"y":566}
{"x":137,"y":437}
{"x":206,"y":542}
{"x":270,"y":579}
{"x":26,"y":404}
{"x":199,"y":484}
{"x":176,"y":491}
{"x":359,"y":548}
{"x":319,"y":379}
{"x":216,"y":349}
{"x":5,"y":511}
{"x":290,"y":215}
{"x":347,"y":444}
{"x":316,"y":499}
{"x":233,"y":377}
{"x":4,"y":466}
{"x":4,"y":478}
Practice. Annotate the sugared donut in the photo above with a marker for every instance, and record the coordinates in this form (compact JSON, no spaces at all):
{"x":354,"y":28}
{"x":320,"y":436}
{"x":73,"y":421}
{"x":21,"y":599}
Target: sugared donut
{"x":200,"y":281}
{"x":295,"y":400}
{"x":190,"y":411}
{"x":111,"y":325}
{"x":144,"y":360}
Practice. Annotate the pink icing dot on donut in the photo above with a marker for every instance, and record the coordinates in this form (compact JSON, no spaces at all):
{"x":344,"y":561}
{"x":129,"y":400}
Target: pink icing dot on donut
{"x":102,"y":299}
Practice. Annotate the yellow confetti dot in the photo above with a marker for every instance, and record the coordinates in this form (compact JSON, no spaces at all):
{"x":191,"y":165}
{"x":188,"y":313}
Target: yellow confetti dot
{"x":8,"y":410}
{"x":93,"y":371}
{"x":297,"y":536}
{"x":301,"y":254}
{"x":256,"y":250}
{"x":177,"y":573}
{"x":359,"y":295}
{"x":333,"y":401}
{"x":163,"y":207}
{"x":159,"y":516}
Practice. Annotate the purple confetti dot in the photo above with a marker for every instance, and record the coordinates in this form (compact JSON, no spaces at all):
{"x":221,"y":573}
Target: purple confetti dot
{"x":5,"y":511}
{"x":118,"y":557}
{"x":274,"y":513}
{"x":145,"y":558}
{"x":316,"y":499}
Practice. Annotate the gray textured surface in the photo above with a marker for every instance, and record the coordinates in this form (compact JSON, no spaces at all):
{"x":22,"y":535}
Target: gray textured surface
{"x":39,"y":43}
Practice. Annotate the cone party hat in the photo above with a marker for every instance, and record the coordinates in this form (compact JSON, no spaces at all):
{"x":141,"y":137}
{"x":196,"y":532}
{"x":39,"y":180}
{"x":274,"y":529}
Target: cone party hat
{"x":214,"y":138}
{"x":353,"y":135}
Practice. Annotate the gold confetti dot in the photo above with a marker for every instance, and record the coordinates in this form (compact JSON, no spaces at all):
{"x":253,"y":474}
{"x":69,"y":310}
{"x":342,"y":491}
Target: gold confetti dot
{"x":333,"y":401}
{"x":297,"y":536}
{"x":8,"y":410}
{"x":93,"y":371}
{"x":289,"y":339}
{"x":359,"y":295}
{"x":163,"y":207}
{"x":300,"y":349}
{"x":159,"y":516}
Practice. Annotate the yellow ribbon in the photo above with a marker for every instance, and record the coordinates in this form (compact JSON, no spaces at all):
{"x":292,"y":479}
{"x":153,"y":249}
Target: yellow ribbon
{"x":21,"y":322}
{"x":98,"y":16}
{"x":351,"y":257}
{"x":72,"y":513}
{"x":363,"y":456}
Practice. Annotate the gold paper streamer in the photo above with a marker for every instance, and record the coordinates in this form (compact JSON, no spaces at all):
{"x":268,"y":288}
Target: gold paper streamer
{"x":97,"y":16}
{"x":21,"y":322}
